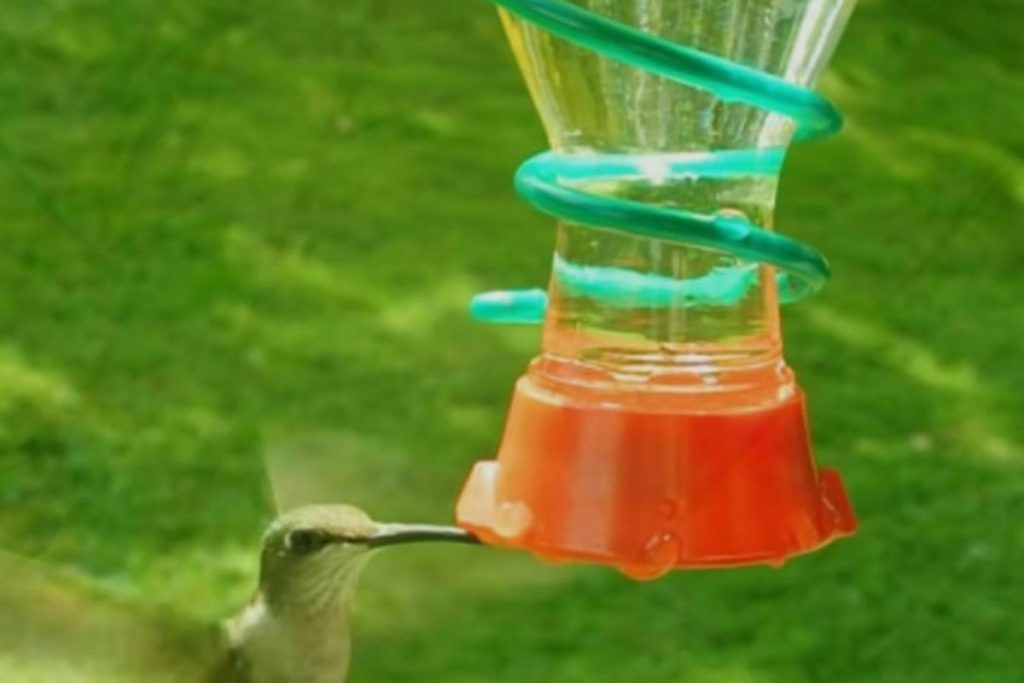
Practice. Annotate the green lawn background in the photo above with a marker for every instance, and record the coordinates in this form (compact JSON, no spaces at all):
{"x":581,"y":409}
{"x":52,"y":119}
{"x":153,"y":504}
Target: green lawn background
{"x":233,"y":227}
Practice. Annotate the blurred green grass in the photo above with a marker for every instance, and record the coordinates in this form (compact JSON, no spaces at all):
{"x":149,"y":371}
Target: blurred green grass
{"x":228,"y":225}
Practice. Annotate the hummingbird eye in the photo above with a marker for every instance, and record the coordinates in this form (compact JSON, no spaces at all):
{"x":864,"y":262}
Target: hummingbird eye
{"x":305,"y":542}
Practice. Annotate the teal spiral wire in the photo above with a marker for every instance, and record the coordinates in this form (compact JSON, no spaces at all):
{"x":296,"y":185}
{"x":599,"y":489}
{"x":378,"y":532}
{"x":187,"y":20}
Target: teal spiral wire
{"x":546,"y":180}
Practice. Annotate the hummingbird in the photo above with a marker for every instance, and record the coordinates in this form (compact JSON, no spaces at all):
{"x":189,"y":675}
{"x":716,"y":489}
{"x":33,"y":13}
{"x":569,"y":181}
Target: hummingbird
{"x":295,"y":629}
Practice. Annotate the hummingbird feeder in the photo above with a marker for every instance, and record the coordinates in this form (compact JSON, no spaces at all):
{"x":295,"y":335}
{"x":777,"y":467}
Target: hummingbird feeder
{"x":659,"y":427}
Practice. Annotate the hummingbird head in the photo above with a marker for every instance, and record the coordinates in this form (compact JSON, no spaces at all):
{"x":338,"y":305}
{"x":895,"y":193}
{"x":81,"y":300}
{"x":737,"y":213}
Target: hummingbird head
{"x":312,"y":555}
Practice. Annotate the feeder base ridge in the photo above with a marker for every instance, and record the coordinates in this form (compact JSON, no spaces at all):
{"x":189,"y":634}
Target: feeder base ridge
{"x":649,"y":492}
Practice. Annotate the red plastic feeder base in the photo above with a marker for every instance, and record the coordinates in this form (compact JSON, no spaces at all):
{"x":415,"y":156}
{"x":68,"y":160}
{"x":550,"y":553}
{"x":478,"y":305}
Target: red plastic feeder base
{"x":649,"y":492}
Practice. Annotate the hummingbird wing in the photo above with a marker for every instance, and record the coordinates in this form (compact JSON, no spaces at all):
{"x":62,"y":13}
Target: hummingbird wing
{"x":324,"y":467}
{"x":318,"y":468}
{"x":231,"y":667}
{"x":55,"y":627}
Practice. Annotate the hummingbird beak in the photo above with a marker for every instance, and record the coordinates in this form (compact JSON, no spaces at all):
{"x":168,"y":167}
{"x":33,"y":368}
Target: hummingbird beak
{"x":395,"y":534}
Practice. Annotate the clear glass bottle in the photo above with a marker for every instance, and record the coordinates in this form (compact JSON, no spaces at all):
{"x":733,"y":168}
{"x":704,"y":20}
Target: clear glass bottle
{"x":687,"y":350}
